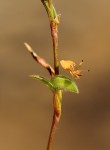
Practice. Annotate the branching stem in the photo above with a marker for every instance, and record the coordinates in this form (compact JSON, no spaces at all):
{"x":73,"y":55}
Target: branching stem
{"x":57,"y":97}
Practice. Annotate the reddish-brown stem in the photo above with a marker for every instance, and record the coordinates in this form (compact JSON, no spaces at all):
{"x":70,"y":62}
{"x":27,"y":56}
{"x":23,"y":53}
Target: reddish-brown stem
{"x":53,"y":130}
{"x":57,"y":95}
{"x":54,"y":28}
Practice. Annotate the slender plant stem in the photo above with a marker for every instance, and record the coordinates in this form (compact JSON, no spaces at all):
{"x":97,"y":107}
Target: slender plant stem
{"x":56,"y":99}
{"x":54,"y":34}
{"x":57,"y":96}
{"x":56,"y":117}
{"x":50,"y":3}
{"x":52,"y":132}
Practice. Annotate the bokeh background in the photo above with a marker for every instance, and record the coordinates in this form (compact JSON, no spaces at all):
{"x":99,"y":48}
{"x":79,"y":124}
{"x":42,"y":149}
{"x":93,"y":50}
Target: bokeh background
{"x":25,"y":104}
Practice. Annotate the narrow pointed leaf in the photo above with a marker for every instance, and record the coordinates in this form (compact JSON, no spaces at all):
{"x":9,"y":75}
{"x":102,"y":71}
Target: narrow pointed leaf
{"x":44,"y":80}
{"x":64,"y":83}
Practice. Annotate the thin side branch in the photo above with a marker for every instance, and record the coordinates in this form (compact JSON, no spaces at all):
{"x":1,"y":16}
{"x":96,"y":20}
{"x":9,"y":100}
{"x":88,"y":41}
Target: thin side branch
{"x":40,"y":60}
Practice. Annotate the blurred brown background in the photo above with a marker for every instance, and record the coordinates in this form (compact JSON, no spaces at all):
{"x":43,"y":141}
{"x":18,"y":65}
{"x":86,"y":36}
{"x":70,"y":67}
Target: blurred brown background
{"x":25,"y":104}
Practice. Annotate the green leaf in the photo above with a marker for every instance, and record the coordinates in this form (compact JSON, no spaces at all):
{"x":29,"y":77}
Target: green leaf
{"x":58,"y":82}
{"x":61,"y":82}
{"x":44,"y":80}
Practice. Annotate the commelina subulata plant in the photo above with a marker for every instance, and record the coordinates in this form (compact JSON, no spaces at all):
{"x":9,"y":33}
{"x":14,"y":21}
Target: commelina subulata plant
{"x":57,"y":82}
